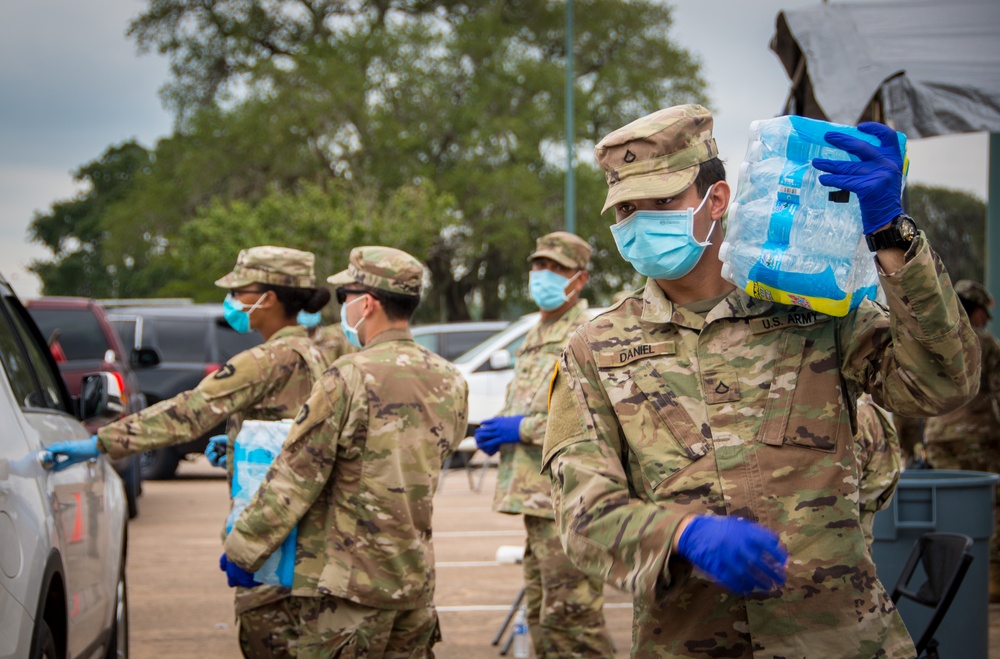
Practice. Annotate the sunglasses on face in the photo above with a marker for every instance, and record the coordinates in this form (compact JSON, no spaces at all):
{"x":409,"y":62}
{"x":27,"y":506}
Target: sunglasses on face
{"x":342,"y":294}
{"x":243,"y":291}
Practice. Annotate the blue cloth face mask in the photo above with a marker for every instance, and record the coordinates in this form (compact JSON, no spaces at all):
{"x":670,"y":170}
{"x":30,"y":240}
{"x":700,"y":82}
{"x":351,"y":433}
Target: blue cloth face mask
{"x":661,"y":244}
{"x":351,"y":332}
{"x":309,"y":320}
{"x":232,"y":311}
{"x":548,"y":289}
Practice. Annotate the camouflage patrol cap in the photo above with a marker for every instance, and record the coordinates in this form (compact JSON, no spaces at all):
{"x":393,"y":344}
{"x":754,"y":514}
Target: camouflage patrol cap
{"x":278,"y":266}
{"x":656,"y":156}
{"x":976,"y":293}
{"x":382,"y":268}
{"x":566,"y":249}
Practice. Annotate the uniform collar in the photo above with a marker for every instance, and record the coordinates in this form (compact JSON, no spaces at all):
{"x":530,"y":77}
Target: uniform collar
{"x":287,"y":331}
{"x":401,"y":334}
{"x":557,"y":330}
{"x":659,"y":310}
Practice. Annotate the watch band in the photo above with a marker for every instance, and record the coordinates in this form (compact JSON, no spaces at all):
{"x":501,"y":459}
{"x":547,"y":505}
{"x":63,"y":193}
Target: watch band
{"x":894,"y":235}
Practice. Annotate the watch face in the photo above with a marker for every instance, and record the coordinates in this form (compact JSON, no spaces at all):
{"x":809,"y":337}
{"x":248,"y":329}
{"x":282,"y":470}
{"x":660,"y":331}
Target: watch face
{"x":907,"y":229}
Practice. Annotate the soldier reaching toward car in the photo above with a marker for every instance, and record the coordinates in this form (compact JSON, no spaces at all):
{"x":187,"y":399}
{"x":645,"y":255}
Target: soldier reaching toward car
{"x":268,"y":287}
{"x":357,"y":475}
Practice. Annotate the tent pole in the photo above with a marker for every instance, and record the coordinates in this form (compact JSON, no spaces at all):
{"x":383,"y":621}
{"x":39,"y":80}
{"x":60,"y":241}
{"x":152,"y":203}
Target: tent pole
{"x":993,"y":227}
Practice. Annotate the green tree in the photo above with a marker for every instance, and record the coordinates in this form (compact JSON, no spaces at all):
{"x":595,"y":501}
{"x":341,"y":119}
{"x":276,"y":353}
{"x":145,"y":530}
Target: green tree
{"x":73,"y":228}
{"x":955,"y":223}
{"x":292,"y":100}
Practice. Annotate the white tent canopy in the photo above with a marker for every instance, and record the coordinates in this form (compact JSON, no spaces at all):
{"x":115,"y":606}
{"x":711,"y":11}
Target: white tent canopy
{"x":926,"y":67}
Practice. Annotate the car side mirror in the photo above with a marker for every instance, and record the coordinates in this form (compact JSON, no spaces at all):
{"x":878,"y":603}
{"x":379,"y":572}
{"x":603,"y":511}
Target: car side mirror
{"x":101,"y":397}
{"x":500,"y":360}
{"x":144,"y":357}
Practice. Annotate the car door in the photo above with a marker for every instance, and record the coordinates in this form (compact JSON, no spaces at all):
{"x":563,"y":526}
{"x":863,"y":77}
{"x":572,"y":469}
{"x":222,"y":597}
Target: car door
{"x":78,"y":527}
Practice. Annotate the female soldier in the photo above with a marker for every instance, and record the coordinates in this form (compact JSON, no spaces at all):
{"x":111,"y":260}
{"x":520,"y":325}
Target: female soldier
{"x":329,"y":339}
{"x":267,"y":289}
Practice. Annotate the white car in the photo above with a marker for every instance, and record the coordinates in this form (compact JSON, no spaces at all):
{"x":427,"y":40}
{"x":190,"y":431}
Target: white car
{"x":62,"y":534}
{"x":489,"y":366}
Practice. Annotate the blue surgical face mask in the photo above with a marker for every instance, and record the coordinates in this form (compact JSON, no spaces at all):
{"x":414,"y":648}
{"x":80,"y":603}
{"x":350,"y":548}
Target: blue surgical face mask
{"x":309,"y":320}
{"x":661,"y":244}
{"x":232,"y":311}
{"x":548,"y":289}
{"x":351,"y":332}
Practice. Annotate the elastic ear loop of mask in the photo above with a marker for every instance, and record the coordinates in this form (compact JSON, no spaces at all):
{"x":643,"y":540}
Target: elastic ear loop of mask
{"x":344,"y":311}
{"x":257,"y":303}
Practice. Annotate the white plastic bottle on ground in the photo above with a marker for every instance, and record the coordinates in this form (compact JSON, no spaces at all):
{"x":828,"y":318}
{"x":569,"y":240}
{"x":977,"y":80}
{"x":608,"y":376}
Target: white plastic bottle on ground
{"x":521,"y":644}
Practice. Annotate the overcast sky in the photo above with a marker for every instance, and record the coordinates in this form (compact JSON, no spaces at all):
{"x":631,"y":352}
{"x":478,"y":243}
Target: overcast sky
{"x":71,"y":85}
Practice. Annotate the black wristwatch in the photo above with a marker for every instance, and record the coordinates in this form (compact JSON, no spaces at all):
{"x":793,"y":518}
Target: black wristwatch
{"x":901,"y":233}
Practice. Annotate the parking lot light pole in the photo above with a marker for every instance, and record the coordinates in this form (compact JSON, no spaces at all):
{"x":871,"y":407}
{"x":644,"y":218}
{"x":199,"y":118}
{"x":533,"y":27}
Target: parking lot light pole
{"x":570,"y":142}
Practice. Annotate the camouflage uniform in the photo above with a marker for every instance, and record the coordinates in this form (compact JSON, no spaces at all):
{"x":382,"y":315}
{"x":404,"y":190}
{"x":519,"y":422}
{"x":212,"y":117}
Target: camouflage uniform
{"x":357,"y":474}
{"x":969,"y":437}
{"x":330,"y":340}
{"x":564,"y":604}
{"x":879,"y":462}
{"x":658,"y":413}
{"x":267,"y":382}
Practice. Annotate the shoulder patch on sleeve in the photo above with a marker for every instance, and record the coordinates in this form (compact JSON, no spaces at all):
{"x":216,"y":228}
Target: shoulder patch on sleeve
{"x":552,"y":384}
{"x":227,"y":371}
{"x":303,"y":414}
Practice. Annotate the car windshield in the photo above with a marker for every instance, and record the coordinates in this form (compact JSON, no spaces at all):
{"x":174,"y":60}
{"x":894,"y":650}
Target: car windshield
{"x":79,"y":333}
{"x":495,"y":342}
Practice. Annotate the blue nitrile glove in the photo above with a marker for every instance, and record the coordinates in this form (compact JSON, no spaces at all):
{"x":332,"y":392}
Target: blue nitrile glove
{"x":72,"y":452}
{"x":877,"y":179}
{"x":496,"y":431}
{"x":236,"y":575}
{"x":740,"y":555}
{"x":216,"y":450}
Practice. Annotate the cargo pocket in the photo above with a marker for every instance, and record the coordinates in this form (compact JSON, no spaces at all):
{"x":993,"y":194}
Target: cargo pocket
{"x":805,"y":403}
{"x":660,"y":434}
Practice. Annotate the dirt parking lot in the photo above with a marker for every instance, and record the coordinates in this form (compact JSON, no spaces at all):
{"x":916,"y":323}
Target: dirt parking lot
{"x":181,"y":606}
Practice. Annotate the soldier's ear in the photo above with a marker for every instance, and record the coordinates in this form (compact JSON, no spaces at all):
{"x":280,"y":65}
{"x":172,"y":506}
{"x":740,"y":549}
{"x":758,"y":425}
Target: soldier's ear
{"x":371,"y":303}
{"x":270,"y":299}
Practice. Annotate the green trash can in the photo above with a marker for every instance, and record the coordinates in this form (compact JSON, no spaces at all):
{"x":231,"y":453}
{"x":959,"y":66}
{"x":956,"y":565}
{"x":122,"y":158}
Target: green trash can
{"x":944,"y":501}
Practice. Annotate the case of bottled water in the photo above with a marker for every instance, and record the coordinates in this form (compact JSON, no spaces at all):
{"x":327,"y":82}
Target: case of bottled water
{"x":255,"y":448}
{"x":790,"y":239}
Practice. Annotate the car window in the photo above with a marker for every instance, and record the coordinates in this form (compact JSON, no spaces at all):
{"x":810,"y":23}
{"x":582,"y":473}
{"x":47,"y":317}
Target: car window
{"x":181,"y":340}
{"x":15,"y":364}
{"x":31,"y":376}
{"x":80,"y":335}
{"x":456,"y":343}
{"x":125,"y":329}
{"x":509,"y":347}
{"x":231,"y":342}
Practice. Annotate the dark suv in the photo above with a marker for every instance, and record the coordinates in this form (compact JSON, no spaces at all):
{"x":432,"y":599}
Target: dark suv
{"x":177,"y":346}
{"x":82,"y":340}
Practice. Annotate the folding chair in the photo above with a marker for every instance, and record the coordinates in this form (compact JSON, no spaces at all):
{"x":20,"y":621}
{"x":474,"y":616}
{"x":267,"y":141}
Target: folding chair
{"x":945,"y":558}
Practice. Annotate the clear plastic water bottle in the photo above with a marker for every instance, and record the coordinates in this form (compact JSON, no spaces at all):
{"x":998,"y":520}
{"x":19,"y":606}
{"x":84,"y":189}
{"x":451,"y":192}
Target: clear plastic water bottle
{"x":789,"y":238}
{"x":521,"y":643}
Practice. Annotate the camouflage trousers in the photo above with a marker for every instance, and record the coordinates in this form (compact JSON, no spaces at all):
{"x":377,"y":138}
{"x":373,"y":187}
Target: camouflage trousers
{"x":565,"y":606}
{"x":972,"y":455}
{"x":314,"y":627}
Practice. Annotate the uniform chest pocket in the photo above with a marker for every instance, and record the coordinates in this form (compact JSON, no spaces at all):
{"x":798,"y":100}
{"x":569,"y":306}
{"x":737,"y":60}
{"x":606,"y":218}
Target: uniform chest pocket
{"x":661,"y":436}
{"x":805,"y":402}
